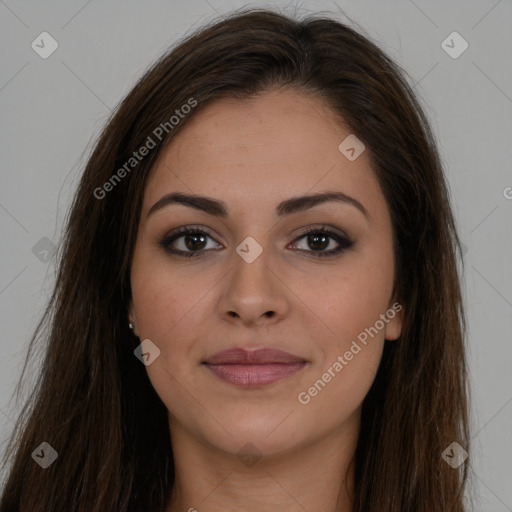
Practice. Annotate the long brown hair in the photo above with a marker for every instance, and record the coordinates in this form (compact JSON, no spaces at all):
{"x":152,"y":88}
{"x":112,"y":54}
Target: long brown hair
{"x":93,"y":402}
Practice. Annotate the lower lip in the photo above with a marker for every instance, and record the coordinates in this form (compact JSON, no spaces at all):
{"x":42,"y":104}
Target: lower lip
{"x":250,"y":375}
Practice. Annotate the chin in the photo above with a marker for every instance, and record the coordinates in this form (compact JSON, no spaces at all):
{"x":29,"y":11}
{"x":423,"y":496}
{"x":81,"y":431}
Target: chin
{"x":265,"y":435}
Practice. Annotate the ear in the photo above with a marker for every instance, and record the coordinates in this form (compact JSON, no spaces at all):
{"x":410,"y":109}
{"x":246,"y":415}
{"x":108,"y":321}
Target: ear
{"x":132,"y":318}
{"x":395,"y":316}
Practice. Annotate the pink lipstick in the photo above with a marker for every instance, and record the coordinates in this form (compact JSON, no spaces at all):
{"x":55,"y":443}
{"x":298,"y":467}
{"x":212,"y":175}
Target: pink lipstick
{"x":250,"y":368}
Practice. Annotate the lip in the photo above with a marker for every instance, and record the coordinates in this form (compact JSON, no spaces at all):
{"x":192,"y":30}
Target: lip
{"x":257,"y":367}
{"x":253,"y":356}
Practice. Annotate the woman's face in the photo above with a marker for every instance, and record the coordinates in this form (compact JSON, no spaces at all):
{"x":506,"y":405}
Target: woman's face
{"x":255,"y":279}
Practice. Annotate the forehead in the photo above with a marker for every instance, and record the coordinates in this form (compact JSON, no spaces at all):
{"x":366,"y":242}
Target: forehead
{"x":262,"y":150}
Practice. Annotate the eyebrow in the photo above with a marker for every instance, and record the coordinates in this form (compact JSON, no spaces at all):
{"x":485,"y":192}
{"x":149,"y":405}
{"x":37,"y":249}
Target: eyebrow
{"x":287,"y":207}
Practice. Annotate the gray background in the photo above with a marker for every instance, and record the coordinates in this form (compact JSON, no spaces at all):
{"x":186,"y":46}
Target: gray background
{"x":52,"y":108}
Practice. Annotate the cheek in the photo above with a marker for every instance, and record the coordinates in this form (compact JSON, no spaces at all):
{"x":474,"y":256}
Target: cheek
{"x":350,"y":304}
{"x":350,"y":358}
{"x":171,"y":305}
{"x":168,"y":313}
{"x":350,"y":297}
{"x":166,"y":297}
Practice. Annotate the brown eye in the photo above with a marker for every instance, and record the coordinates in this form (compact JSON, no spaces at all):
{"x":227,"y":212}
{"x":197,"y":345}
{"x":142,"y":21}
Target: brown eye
{"x":187,"y":242}
{"x":319,"y":239}
{"x":192,"y":242}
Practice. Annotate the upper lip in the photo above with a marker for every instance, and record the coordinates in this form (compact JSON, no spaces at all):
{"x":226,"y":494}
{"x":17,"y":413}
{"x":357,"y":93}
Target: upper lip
{"x":253,"y":356}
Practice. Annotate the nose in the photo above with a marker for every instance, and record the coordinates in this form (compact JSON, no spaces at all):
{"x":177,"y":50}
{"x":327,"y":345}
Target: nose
{"x":254,"y":293}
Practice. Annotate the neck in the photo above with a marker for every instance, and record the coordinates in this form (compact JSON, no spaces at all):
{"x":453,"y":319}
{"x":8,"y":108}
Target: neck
{"x":317,"y":477}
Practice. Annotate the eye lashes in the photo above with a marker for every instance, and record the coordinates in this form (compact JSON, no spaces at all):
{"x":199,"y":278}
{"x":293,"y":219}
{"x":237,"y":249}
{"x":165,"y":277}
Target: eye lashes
{"x":343,"y":241}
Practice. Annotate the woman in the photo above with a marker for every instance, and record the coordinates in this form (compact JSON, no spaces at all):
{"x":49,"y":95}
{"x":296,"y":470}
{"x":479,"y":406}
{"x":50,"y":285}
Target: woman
{"x":258,"y":303}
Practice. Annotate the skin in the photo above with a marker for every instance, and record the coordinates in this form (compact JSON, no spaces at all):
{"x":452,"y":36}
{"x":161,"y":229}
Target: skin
{"x":253,"y":155}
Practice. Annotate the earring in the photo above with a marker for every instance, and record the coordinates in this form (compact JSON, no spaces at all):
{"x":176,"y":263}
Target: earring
{"x":130,"y":325}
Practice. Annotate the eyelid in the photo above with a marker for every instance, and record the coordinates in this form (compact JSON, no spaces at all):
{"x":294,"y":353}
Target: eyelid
{"x":322,"y":227}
